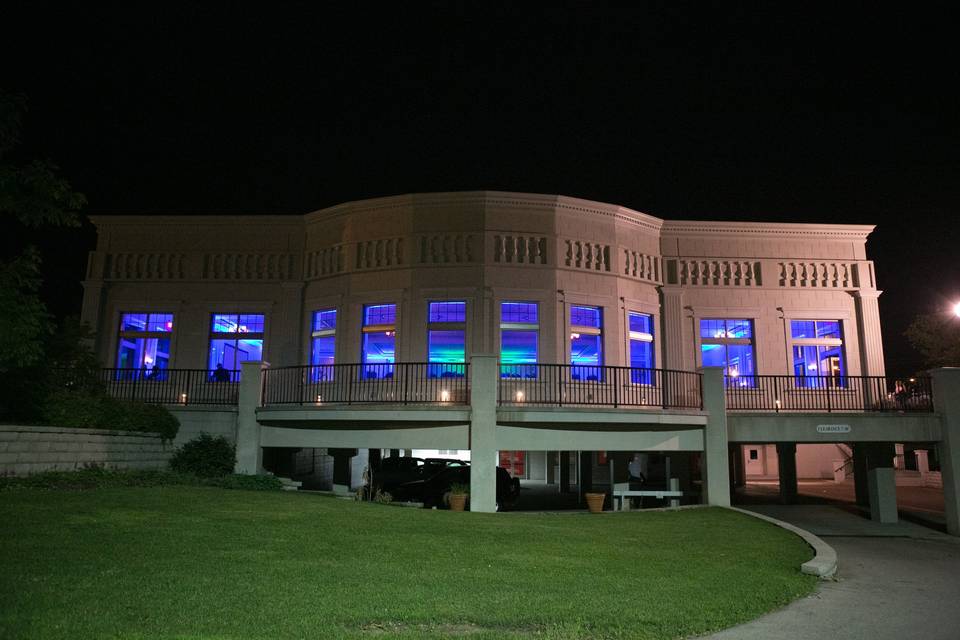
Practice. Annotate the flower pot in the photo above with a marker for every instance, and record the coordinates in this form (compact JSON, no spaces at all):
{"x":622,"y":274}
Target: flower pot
{"x":457,"y":502}
{"x":595,"y":501}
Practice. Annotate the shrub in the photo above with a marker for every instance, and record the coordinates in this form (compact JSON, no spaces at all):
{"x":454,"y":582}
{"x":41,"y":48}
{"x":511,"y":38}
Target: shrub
{"x":97,"y":411}
{"x":205,"y":456}
{"x":94,"y":477}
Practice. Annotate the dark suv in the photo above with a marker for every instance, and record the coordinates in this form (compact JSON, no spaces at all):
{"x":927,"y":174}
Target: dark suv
{"x":435,"y":490}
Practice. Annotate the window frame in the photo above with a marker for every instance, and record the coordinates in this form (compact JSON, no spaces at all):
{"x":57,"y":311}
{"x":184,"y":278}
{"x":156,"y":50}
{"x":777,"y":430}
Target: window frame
{"x":644,"y":375}
{"x":838,"y":381}
{"x":438,"y":369}
{"x":578,"y":330}
{"x":223,"y":335}
{"x":385,"y":328}
{"x":144,"y":335}
{"x":727,"y":342}
{"x":529,"y":370}
{"x":322,"y":372}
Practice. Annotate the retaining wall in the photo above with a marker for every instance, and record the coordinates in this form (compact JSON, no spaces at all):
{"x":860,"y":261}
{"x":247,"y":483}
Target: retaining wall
{"x":25,"y":450}
{"x":194,"y":420}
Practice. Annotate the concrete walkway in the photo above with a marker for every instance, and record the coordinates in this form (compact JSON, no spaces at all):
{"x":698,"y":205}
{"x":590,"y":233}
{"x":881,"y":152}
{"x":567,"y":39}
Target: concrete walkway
{"x":894,"y":582}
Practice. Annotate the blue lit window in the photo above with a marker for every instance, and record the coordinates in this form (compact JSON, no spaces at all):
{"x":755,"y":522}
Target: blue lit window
{"x":586,"y":343}
{"x":143,"y":350}
{"x":453,"y":311}
{"x":446,"y":339}
{"x":817,"y":347}
{"x":244,"y":343}
{"x":379,"y":341}
{"x":323,"y":339}
{"x":729,"y":344}
{"x":519,"y":333}
{"x":641,"y":348}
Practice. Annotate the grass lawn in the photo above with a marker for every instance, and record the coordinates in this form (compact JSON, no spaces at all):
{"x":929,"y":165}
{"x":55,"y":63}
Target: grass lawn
{"x":201,"y":562}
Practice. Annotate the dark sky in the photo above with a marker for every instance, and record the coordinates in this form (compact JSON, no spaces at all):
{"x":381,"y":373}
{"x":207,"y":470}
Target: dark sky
{"x":727,"y":111}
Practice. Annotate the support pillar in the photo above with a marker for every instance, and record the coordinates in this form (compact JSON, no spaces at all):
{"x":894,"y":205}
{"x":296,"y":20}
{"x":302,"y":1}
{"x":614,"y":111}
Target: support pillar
{"x":484,"y":375}
{"x":716,"y":469}
{"x":373,"y":457}
{"x":551,"y":467}
{"x":564,"y":472}
{"x":342,"y":469}
{"x":737,"y":472}
{"x":923,"y":462}
{"x":586,"y":471}
{"x":860,"y":474}
{"x":787,"y":471}
{"x":250,"y":393}
{"x":946,"y":402}
{"x":882,"y":485}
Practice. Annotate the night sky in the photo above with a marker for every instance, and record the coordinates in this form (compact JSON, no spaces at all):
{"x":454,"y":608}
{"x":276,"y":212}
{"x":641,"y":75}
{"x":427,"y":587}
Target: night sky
{"x":725,"y":111}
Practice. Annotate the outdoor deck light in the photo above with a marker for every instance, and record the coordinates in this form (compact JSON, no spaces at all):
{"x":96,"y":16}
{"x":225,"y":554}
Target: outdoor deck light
{"x":183,"y":398}
{"x":444,"y":396}
{"x":519,"y":396}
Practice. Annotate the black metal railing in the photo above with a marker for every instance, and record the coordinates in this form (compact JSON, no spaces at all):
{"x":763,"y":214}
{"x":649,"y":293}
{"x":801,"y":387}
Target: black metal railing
{"x":563,"y":385}
{"x":172,"y":386}
{"x":828,"y":394}
{"x":394,"y":383}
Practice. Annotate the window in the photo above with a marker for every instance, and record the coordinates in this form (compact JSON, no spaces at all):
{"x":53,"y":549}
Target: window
{"x":234,"y":338}
{"x":519,"y":331}
{"x":379,"y":340}
{"x":586,"y":343}
{"x":143,"y":350}
{"x":323,"y":345}
{"x":446,"y":339}
{"x":817,"y":347}
{"x":729,"y":344}
{"x":754,"y":454}
{"x":641,"y":347}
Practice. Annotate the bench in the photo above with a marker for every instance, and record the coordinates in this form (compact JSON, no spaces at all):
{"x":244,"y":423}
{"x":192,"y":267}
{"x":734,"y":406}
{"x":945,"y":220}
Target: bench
{"x":622,"y":492}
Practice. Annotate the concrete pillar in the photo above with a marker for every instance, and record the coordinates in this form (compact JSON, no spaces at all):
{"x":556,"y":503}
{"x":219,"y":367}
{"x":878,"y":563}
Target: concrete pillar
{"x":484,"y":375}
{"x":564,"y":471}
{"x":374,"y":456}
{"x":882,"y":486}
{"x":738,"y":476}
{"x":787,"y":470}
{"x":946,"y":402}
{"x":860,"y":474}
{"x":586,"y":471}
{"x":716,"y":470}
{"x":342,"y":469}
{"x":923,"y":461}
{"x":250,"y":393}
{"x":551,"y":467}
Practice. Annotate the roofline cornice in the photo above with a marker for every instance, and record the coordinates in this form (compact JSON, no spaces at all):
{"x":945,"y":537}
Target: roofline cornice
{"x":676,"y":228}
{"x":208,"y":219}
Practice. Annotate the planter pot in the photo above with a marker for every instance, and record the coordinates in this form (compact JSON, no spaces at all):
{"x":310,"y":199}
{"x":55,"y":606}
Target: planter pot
{"x":595,"y":501}
{"x":457,"y":502}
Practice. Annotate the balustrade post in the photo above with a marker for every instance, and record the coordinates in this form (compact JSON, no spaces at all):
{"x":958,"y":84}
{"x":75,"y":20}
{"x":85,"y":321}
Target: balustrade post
{"x":616,"y":387}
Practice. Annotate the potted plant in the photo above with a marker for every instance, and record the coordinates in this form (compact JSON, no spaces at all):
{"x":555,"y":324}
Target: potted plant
{"x":595,"y":501}
{"x":458,"y":496}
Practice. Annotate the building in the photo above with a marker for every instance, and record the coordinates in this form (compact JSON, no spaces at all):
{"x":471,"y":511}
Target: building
{"x":590,"y":321}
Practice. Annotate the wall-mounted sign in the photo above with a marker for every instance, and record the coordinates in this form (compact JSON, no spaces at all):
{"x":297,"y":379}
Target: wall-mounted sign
{"x":833,"y":428}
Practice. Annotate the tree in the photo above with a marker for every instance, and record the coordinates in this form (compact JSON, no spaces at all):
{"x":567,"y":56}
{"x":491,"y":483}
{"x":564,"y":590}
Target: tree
{"x":32,"y":197}
{"x":937,"y":337}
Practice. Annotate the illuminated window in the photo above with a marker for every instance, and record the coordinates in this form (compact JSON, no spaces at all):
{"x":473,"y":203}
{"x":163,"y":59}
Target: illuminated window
{"x":234,"y":338}
{"x":729,"y":344}
{"x":446,"y":338}
{"x":817,"y":347}
{"x":586,"y":343}
{"x":379,"y":340}
{"x":323,"y":344}
{"x":143,"y":350}
{"x":519,"y":332}
{"x":641,"y":347}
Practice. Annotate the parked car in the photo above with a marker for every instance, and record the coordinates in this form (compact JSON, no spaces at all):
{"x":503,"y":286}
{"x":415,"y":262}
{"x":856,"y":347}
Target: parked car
{"x":396,"y":471}
{"x":435,"y":490}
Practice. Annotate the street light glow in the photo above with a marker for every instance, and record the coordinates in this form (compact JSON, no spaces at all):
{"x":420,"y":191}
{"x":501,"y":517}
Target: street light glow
{"x":956,"y":309}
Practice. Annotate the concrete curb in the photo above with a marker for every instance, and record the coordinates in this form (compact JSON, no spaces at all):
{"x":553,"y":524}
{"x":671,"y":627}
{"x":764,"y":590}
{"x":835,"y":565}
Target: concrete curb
{"x":824,"y":562}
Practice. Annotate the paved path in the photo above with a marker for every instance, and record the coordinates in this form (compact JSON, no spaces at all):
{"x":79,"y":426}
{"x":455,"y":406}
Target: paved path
{"x":894,"y":582}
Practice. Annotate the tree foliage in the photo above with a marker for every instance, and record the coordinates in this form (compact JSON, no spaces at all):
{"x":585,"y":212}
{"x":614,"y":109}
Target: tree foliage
{"x":937,"y":338}
{"x":32,"y":196}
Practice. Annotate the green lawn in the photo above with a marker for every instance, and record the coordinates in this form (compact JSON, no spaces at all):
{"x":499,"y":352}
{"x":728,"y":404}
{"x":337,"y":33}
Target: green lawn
{"x":200,"y":562}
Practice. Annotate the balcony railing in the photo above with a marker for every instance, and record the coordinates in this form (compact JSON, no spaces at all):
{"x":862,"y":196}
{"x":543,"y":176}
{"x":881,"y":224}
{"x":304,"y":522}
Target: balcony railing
{"x":172,"y":386}
{"x":828,"y":394}
{"x":405,"y":383}
{"x":565,"y":385}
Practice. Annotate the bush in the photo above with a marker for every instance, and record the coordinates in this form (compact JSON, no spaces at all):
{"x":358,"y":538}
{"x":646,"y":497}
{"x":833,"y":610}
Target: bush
{"x":205,"y":456}
{"x":94,"y":477}
{"x":97,"y":411}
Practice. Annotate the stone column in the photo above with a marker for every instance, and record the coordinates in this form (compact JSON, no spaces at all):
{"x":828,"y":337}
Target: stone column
{"x":716,"y":470}
{"x":868,"y":325}
{"x":342,"y":469}
{"x":673,"y":329}
{"x":92,"y":309}
{"x":860,"y":474}
{"x":883,"y":495}
{"x":787,"y":468}
{"x":250,"y":393}
{"x":484,"y":376}
{"x":738,"y":476}
{"x":564,"y":472}
{"x":551,"y":467}
{"x":923,"y":462}
{"x":291,"y":351}
{"x":946,"y":401}
{"x":586,"y":471}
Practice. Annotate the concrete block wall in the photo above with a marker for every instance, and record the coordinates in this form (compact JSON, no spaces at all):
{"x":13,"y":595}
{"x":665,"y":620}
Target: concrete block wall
{"x":25,"y":450}
{"x":195,"y":420}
